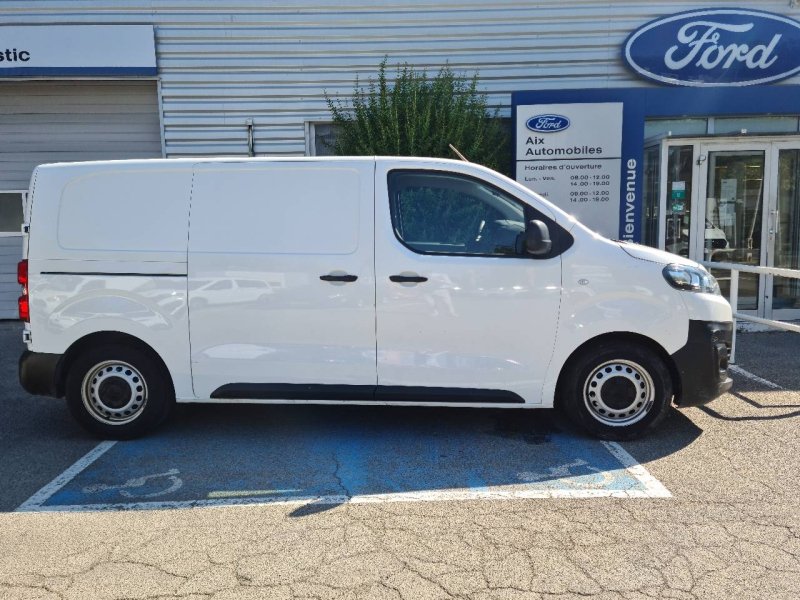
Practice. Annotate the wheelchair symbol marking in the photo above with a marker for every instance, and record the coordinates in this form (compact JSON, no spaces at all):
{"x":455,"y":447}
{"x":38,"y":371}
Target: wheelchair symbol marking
{"x":137,"y":482}
{"x":595,"y":479}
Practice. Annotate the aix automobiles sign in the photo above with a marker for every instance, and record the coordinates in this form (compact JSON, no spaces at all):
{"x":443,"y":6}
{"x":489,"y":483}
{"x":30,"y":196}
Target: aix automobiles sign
{"x":716,"y":47}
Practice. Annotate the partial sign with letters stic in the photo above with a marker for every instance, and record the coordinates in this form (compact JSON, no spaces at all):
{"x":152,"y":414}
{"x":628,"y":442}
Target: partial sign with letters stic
{"x":82,"y":50}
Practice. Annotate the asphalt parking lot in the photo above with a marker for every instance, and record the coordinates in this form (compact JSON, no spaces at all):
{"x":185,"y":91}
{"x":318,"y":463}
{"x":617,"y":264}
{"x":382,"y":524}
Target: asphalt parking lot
{"x":329,"y":502}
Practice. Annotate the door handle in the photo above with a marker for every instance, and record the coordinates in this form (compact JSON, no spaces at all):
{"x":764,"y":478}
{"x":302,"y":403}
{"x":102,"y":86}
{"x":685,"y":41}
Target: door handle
{"x":407,"y":279}
{"x":343,"y":278}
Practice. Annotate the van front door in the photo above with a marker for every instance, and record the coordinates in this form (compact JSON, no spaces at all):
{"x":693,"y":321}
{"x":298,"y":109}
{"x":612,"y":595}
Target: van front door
{"x":463,"y":314}
{"x":281,"y":280}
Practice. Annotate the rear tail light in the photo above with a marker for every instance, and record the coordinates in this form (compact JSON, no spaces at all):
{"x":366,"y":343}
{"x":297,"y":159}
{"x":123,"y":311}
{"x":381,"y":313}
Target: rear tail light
{"x":22,"y":272}
{"x":22,"y":302}
{"x":24,"y":308}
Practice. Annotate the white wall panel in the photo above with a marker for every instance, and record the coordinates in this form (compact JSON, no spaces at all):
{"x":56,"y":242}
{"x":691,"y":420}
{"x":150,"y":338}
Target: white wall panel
{"x":222,"y":62}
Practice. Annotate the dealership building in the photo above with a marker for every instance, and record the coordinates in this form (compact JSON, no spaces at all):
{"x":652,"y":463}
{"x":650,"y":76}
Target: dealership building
{"x":670,"y":123}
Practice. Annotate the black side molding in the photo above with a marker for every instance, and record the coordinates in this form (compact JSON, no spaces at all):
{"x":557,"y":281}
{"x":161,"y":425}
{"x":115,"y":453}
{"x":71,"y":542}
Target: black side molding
{"x":110,"y":274}
{"x":402,"y":393}
{"x":293,"y":391}
{"x":362,"y":393}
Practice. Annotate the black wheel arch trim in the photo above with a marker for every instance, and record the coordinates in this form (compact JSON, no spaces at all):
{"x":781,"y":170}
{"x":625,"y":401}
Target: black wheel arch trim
{"x":45,"y":374}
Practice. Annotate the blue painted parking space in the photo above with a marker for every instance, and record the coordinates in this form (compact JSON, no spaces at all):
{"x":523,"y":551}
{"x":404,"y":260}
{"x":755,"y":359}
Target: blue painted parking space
{"x":328,"y":455}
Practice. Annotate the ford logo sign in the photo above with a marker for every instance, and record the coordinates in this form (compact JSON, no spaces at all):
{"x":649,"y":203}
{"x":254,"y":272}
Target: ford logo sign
{"x":714,"y":47}
{"x":547,"y":123}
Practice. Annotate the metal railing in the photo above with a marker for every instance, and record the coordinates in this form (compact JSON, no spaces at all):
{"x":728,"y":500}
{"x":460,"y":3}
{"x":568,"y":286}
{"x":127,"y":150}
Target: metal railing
{"x":734,"y":295}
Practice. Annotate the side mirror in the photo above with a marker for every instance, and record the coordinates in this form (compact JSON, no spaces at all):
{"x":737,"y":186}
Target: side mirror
{"x":537,"y":239}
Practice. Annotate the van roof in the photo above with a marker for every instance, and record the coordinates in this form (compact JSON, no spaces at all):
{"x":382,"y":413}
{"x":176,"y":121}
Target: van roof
{"x":155,"y":162}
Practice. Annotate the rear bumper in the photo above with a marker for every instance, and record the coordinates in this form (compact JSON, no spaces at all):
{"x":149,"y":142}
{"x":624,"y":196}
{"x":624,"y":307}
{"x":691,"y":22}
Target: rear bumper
{"x":703,"y":362}
{"x":37,"y":372}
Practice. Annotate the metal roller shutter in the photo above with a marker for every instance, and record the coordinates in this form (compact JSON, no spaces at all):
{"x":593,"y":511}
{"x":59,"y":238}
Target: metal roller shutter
{"x":64,"y":121}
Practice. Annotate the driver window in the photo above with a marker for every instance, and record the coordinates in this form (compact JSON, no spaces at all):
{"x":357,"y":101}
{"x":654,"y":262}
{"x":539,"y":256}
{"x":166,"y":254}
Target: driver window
{"x":446,"y":213}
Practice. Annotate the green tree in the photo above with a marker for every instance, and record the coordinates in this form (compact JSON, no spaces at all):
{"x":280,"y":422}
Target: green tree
{"x":420,"y":116}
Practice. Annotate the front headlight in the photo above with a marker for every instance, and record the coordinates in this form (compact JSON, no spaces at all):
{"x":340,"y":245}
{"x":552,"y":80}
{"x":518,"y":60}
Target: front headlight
{"x":691,"y":279}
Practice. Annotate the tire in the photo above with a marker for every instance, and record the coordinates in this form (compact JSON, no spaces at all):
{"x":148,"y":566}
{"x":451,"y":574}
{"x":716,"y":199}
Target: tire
{"x":118,"y":392}
{"x":637,"y":386}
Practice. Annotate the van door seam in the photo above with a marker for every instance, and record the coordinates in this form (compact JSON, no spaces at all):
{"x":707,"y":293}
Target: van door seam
{"x":545,"y":379}
{"x":375,"y":257}
{"x":188,"y":309}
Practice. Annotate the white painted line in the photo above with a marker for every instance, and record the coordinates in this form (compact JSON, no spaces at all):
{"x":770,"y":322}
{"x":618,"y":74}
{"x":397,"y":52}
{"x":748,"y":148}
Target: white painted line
{"x":35,"y":502}
{"x":249,"y":493}
{"x":439,"y":496}
{"x":652,"y":488}
{"x":740,"y":371}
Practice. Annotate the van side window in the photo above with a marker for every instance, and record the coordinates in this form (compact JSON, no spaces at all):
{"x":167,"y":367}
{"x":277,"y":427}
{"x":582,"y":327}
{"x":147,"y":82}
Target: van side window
{"x":435,"y":212}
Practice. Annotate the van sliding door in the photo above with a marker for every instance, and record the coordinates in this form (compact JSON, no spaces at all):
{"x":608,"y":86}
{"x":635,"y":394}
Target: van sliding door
{"x":281,"y":280}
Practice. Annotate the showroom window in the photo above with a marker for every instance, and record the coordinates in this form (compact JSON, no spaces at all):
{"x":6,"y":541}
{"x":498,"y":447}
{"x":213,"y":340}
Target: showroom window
{"x":736,"y":125}
{"x":11,"y":210}
{"x":654,"y":128}
{"x":669,"y":127}
{"x":320,"y":139}
{"x":319,"y":136}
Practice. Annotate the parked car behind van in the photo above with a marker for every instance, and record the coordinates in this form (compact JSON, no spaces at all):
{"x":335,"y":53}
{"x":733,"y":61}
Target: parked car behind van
{"x":406,"y":281}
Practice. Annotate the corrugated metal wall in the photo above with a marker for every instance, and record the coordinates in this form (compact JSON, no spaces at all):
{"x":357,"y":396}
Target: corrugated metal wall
{"x":223,"y":62}
{"x":56,"y":121}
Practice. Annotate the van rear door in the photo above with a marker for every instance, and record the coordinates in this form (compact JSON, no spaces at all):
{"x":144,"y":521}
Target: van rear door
{"x":281,"y":280}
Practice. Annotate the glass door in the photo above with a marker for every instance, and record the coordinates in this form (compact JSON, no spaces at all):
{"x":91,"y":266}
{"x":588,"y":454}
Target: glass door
{"x":731,"y":226}
{"x":784,"y":230}
{"x":678,"y":185}
{"x":650,"y":194}
{"x":736,"y":201}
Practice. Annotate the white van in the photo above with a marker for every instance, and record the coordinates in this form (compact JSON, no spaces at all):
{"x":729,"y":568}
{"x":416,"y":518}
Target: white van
{"x":408,"y":281}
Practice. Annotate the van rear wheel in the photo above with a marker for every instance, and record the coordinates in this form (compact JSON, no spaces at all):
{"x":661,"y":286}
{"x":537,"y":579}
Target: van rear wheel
{"x":118,"y":392}
{"x":617,"y":390}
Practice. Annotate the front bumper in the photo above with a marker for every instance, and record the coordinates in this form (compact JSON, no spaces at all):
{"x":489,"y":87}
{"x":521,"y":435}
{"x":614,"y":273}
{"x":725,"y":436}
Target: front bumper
{"x":37,"y":372}
{"x":702,"y":363}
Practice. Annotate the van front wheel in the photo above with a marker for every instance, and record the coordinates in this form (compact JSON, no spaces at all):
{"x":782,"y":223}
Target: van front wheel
{"x":617,"y":390}
{"x":118,"y":392}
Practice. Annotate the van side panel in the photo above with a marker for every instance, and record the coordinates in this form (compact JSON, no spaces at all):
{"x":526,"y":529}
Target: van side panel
{"x":124,"y":212}
{"x":107,"y":252}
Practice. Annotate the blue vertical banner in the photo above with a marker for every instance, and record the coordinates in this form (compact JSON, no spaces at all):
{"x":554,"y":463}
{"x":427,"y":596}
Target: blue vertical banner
{"x":631,"y":189}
